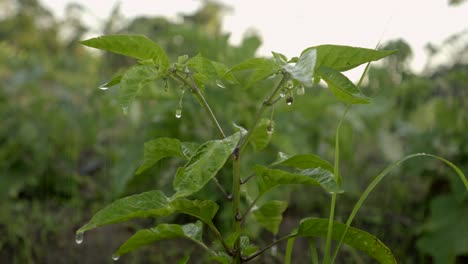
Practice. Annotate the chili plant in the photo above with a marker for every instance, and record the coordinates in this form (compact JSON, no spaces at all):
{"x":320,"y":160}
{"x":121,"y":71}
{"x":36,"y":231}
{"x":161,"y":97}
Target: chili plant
{"x":324,"y":62}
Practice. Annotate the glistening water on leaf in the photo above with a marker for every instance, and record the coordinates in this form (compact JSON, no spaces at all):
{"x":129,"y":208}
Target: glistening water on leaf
{"x":271,"y":178}
{"x":145,"y":237}
{"x":149,"y":204}
{"x":203,"y":165}
{"x":160,"y":148}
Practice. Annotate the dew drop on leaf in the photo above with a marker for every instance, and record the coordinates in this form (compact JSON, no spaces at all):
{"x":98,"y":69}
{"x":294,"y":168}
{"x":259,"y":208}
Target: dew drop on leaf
{"x":103,"y":88}
{"x":115,"y":257}
{"x":79,"y":238}
{"x":289,"y":100}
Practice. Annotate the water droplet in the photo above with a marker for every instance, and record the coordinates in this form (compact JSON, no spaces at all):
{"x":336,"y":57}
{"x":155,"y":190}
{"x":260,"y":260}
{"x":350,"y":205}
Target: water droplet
{"x":79,"y":238}
{"x":178,"y":113}
{"x":220,"y":84}
{"x":274,"y":250}
{"x":103,"y":88}
{"x":282,"y":94}
{"x":125,"y":110}
{"x":289,"y":84}
{"x":270,"y":129}
{"x":289,"y":100}
{"x":300,"y":90}
{"x":115,"y":257}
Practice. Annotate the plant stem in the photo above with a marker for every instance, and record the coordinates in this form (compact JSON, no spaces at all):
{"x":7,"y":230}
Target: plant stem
{"x":246,"y":179}
{"x":221,"y":188}
{"x":330,"y":229}
{"x":201,"y":100}
{"x":250,"y":208}
{"x":206,"y":106}
{"x":236,"y":202}
{"x":268,"y":102}
{"x":336,"y":172}
{"x":220,"y":238}
{"x":254,"y":255}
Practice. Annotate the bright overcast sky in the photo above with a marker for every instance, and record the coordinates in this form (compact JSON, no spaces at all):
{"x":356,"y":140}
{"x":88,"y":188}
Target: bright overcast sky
{"x":290,"y":26}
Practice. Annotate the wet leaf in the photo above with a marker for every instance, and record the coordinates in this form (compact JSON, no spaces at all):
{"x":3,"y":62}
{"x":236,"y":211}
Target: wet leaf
{"x":356,"y":238}
{"x":132,"y":81}
{"x":149,"y":204}
{"x":262,"y":68}
{"x":160,"y":148}
{"x":270,"y":178}
{"x":304,"y":161}
{"x":135,"y":46}
{"x":270,"y":216}
{"x":343,"y":58}
{"x":341,"y":86}
{"x":203,"y":165}
{"x":162,"y":232}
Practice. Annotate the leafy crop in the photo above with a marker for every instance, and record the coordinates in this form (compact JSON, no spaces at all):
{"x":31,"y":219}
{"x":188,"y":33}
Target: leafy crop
{"x":205,"y":161}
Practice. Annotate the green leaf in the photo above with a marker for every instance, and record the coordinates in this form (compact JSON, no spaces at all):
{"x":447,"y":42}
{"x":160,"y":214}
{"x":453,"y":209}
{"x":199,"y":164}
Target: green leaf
{"x":135,"y":46}
{"x":260,"y":136}
{"x":304,"y":161}
{"x":162,"y":232}
{"x":203,"y":165}
{"x":270,"y":216}
{"x":149,"y":204}
{"x":203,"y":68}
{"x":341,"y":86}
{"x":160,"y":148}
{"x":303,"y":69}
{"x":132,"y":81}
{"x":444,"y":236}
{"x":246,"y":247}
{"x":224,"y":72}
{"x":184,"y":260}
{"x":262,"y":69}
{"x":356,"y":238}
{"x":270,"y":178}
{"x":114,"y":81}
{"x":343,"y":58}
{"x":222,"y":257}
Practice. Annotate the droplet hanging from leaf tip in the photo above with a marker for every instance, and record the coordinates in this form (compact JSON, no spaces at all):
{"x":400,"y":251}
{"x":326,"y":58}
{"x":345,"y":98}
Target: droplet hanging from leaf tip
{"x":289,"y":100}
{"x":115,"y":257}
{"x":300,"y":90}
{"x":79,"y":238}
{"x":270,"y":129}
{"x":274,"y":250}
{"x":220,"y":84}
{"x":178,"y":113}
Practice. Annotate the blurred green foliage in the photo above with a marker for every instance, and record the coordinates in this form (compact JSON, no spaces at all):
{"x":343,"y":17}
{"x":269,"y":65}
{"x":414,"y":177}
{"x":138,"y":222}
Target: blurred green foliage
{"x":66,"y":148}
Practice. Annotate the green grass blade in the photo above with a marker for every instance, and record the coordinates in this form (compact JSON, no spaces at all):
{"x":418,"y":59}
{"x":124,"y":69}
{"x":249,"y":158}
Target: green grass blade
{"x":380,"y":176}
